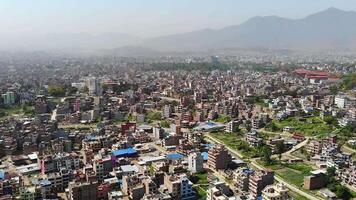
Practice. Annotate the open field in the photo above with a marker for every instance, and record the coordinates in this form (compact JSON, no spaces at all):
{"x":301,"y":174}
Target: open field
{"x":311,"y":126}
{"x":235,"y":142}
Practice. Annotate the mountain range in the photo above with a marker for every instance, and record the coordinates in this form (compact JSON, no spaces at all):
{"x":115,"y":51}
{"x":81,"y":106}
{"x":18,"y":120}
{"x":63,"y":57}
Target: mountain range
{"x":328,"y":29}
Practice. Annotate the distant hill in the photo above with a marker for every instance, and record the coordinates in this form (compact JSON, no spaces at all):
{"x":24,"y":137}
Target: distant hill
{"x":69,"y":42}
{"x":329,"y":29}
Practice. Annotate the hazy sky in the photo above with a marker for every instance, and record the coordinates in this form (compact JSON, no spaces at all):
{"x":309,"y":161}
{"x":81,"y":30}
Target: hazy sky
{"x":145,"y":18}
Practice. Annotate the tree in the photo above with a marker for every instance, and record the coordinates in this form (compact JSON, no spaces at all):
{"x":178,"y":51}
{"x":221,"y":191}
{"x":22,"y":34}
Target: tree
{"x":272,"y":127}
{"x":2,"y":150}
{"x":334,"y":89}
{"x":72,"y":90}
{"x":342,"y":192}
{"x":55,"y":90}
{"x":266,"y":154}
{"x":331,"y":171}
{"x":280,"y":148}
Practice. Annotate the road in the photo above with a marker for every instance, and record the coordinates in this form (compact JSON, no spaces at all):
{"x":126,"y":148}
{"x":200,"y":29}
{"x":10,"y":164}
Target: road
{"x":346,"y":148}
{"x":257,"y":166}
{"x":169,"y":98}
{"x":296,"y":147}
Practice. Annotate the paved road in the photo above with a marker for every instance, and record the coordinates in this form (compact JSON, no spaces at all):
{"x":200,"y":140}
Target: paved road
{"x":169,"y":98}
{"x":256,"y":165}
{"x":346,"y":148}
{"x":296,"y":147}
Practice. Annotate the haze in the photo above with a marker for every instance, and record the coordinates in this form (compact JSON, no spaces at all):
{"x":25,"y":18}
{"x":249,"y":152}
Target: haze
{"x":24,"y":22}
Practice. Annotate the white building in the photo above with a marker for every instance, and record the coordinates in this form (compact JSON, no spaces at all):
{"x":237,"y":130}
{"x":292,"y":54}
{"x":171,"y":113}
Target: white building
{"x":195,"y":162}
{"x":232,"y":126}
{"x":340,"y":101}
{"x":275,"y":192}
{"x":93,"y":85}
{"x":167,"y":111}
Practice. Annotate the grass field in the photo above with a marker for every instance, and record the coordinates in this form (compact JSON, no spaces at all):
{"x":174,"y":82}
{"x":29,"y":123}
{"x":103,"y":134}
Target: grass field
{"x":235,"y":141}
{"x":222,"y":119}
{"x":312,"y":126}
{"x":200,"y":178}
{"x":293,"y":176}
{"x":292,"y":173}
{"x":201,"y":192}
{"x":296,"y":196}
{"x":16,"y":110}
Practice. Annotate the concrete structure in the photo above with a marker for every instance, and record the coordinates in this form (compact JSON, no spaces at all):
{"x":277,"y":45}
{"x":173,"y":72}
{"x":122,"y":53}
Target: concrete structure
{"x":258,"y":181}
{"x":179,"y":187}
{"x":93,"y":85}
{"x":232,"y":126}
{"x":167,"y":111}
{"x":275,"y":192}
{"x":219,"y":191}
{"x":195,"y":162}
{"x":315,"y":181}
{"x":218,"y":157}
{"x":9,"y":98}
{"x":83,"y":191}
{"x":132,"y":186}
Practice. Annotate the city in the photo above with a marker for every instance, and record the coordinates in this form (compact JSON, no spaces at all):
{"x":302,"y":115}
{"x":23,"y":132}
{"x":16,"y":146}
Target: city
{"x":223,"y":123}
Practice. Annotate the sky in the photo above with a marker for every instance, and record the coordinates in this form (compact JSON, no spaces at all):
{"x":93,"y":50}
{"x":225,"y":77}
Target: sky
{"x":145,"y":18}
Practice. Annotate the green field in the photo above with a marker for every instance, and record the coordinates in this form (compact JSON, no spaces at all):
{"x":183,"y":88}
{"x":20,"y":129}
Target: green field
{"x":222,"y":119}
{"x":293,"y":176}
{"x":311,"y":126}
{"x":200,"y":178}
{"x":292,"y":173}
{"x":296,"y":196}
{"x":201,"y":191}
{"x":16,"y":110}
{"x":234,"y":141}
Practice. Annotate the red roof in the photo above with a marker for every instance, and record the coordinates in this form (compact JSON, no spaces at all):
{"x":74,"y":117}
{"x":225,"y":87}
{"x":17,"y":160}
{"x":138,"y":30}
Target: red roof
{"x":311,"y":72}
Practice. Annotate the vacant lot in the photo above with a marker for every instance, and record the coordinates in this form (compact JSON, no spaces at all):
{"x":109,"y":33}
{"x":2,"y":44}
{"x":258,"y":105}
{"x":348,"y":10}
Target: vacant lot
{"x":312,"y":126}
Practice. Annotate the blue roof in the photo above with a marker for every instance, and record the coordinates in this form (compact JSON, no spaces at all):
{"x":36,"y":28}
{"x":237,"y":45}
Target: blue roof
{"x":174,"y":156}
{"x":205,"y":155}
{"x":45,"y":182}
{"x":210,"y":124}
{"x":247,"y":171}
{"x":124,"y":152}
{"x":91,"y":137}
{"x":2,"y":175}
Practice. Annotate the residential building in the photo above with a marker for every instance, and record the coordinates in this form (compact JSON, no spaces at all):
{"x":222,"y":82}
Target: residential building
{"x":275,"y":192}
{"x":218,"y":157}
{"x":195,"y":162}
{"x":9,"y":98}
{"x":83,"y":191}
{"x":219,"y":191}
{"x":258,"y":181}
{"x":179,"y":186}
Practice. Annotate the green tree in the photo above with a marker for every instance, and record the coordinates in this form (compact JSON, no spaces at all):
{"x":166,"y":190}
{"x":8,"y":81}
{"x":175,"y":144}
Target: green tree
{"x":331,"y":171}
{"x":266,"y":154}
{"x":55,"y":90}
{"x":343,"y":192}
{"x":2,"y":150}
{"x":280,"y":148}
{"x":349,"y":82}
{"x":72,"y":90}
{"x":334,"y":89}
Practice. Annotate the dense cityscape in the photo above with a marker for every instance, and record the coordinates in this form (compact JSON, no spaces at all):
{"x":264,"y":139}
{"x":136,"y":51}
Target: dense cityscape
{"x":177,"y":127}
{"x":178,"y":100}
